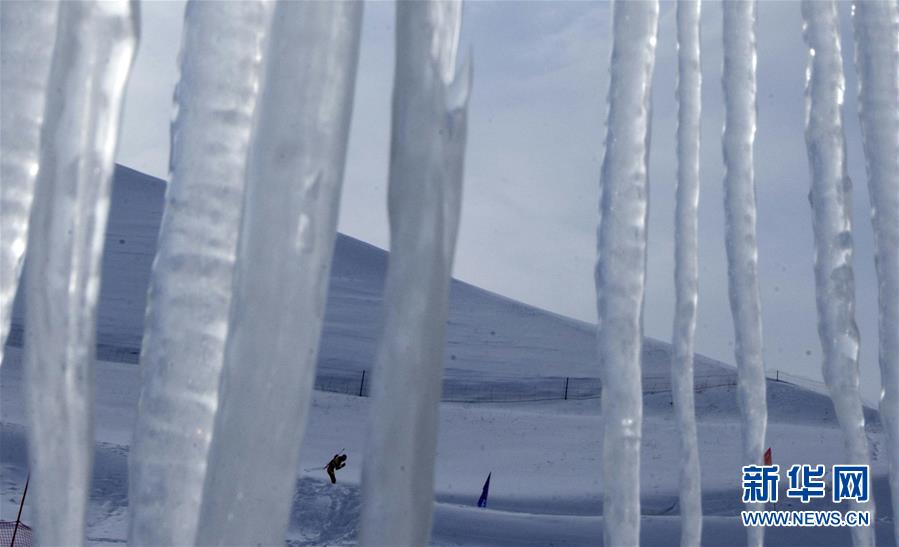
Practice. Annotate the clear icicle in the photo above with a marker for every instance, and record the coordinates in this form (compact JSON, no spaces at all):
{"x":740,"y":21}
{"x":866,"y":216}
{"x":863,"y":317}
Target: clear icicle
{"x":27,"y":35}
{"x":95,"y":45}
{"x":686,"y":273}
{"x":621,"y":265}
{"x":739,"y":82}
{"x":286,"y":240}
{"x":190,"y":289}
{"x":876,"y":25}
{"x":831,"y":201}
{"x":429,"y":124}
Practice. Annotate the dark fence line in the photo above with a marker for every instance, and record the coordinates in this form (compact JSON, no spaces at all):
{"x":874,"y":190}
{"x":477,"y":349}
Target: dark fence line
{"x":478,"y":388}
{"x":116,"y":353}
{"x":510,"y":389}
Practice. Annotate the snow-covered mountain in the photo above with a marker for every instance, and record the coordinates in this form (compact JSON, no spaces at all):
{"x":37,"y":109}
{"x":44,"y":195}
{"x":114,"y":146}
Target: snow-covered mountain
{"x":490,"y":339}
{"x":544,"y":456}
{"x":487,"y":333}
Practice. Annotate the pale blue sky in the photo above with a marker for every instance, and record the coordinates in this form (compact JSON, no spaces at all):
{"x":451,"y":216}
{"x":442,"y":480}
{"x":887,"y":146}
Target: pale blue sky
{"x":536,"y":129}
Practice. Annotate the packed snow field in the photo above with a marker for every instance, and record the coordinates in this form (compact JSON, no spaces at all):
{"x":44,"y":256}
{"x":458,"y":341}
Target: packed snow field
{"x":546,"y":486}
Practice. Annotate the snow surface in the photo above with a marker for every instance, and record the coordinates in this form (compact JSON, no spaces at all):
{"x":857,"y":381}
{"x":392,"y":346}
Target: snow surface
{"x":545,"y":459}
{"x":545,"y":456}
{"x":489,"y":337}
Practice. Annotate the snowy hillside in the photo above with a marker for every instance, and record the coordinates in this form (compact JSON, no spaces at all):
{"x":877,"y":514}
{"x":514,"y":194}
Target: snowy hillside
{"x":546,"y":487}
{"x":487,"y":335}
{"x":544,"y":456}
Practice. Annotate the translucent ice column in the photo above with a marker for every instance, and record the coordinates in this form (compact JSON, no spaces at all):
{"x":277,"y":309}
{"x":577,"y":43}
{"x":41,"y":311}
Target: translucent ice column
{"x":190,"y":287}
{"x":831,"y":200}
{"x":27,"y":36}
{"x":686,"y":272}
{"x":430,"y":99}
{"x":621,"y":264}
{"x":284,"y":251}
{"x":739,"y":82}
{"x":95,"y":45}
{"x":876,"y":25}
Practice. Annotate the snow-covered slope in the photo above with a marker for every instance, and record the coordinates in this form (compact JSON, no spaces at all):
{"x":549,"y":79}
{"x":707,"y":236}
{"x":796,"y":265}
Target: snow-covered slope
{"x":491,"y":340}
{"x":546,"y":486}
{"x":487,"y":333}
{"x":545,"y":459}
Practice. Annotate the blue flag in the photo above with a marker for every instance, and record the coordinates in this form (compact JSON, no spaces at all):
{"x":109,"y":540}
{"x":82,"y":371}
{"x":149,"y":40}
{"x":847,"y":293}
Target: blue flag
{"x":482,"y":501}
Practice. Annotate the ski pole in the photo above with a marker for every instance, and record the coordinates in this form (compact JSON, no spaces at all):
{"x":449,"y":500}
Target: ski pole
{"x":19,"y":517}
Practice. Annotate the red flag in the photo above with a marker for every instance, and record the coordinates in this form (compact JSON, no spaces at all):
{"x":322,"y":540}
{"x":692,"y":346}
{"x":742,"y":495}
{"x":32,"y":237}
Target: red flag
{"x":768,"y":456}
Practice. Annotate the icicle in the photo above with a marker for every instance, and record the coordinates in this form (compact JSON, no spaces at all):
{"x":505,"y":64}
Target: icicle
{"x":27,"y":35}
{"x":876,"y":25}
{"x":686,"y":274}
{"x":95,"y":45}
{"x":831,"y":201}
{"x":621,"y":265}
{"x":430,"y":102}
{"x":284,"y":253}
{"x":739,"y":211}
{"x":190,"y":289}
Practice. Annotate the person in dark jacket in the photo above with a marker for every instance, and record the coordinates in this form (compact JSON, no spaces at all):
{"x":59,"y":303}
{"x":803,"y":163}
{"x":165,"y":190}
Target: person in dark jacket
{"x":337,"y":462}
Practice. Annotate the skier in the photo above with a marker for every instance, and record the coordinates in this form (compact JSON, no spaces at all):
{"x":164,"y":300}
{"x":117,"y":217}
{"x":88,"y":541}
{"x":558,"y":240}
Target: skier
{"x":337,"y":462}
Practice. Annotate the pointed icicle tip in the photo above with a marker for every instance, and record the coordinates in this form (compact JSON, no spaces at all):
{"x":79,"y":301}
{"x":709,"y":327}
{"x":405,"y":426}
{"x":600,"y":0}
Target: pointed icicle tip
{"x":458,"y":90}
